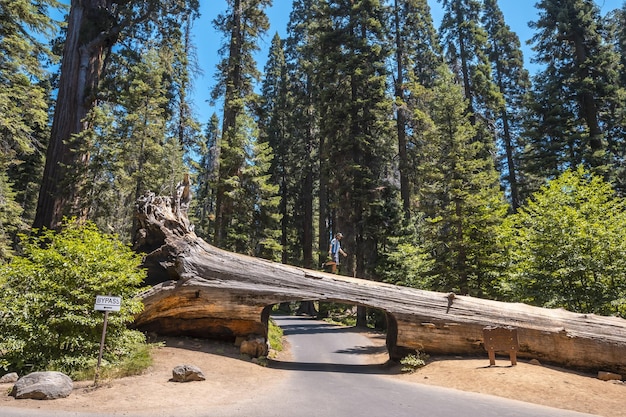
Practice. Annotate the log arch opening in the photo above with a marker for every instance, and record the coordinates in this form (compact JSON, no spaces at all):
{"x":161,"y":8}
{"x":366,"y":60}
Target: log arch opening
{"x":390,"y":329}
{"x":204,"y":290}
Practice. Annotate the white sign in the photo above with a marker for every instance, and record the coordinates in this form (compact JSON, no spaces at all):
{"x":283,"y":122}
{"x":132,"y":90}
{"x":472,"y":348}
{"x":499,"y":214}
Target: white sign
{"x":107,"y":303}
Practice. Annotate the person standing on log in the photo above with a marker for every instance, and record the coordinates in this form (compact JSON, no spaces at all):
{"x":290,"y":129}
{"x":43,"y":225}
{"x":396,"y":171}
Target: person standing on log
{"x":335,"y":249}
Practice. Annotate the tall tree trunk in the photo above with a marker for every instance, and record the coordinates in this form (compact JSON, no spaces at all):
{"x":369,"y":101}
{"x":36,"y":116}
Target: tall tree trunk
{"x":323,"y":235}
{"x":284,"y":219}
{"x":465,"y":72}
{"x":81,"y":68}
{"x":510,"y":161}
{"x":587,"y":101}
{"x":401,"y":119}
{"x":232,"y":107}
{"x":308,"y":189}
{"x":307,"y":229}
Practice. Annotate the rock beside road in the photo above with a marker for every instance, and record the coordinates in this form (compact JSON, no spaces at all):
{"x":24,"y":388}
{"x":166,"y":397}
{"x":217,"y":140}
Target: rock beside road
{"x":48,"y":385}
{"x":187,"y":373}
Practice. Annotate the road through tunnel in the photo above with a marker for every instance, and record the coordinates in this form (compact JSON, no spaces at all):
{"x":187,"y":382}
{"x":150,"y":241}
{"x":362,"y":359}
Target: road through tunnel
{"x":335,"y":316}
{"x":312,"y":344}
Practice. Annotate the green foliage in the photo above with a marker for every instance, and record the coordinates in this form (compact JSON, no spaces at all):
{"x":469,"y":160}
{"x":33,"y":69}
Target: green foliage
{"x":47,"y":299}
{"x":22,"y":97}
{"x":513,"y":81}
{"x":338,"y":313}
{"x":407,"y":265}
{"x":566,"y":247}
{"x":131,"y":149}
{"x":238,"y":179}
{"x":283,"y":124}
{"x":23,"y":109}
{"x":356,"y":125}
{"x":466,"y":43}
{"x":203,"y":205}
{"x":10,"y":220}
{"x":412,"y":362}
{"x":252,"y":224}
{"x":460,"y":198}
{"x":576,"y":95}
{"x":275,"y":336}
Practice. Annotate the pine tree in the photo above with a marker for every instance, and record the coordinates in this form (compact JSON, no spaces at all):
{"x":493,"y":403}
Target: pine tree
{"x":616,"y":117}
{"x":512,"y":80}
{"x":242,"y":25}
{"x":132,"y":152}
{"x":24,"y":92}
{"x":355,"y":122}
{"x":308,"y":25}
{"x":418,"y":55}
{"x":183,"y":63}
{"x":94,"y":27}
{"x":461,"y":200}
{"x":253,"y":226}
{"x":466,"y":46}
{"x":573,"y":91}
{"x":274,"y":130}
{"x":10,"y":214}
{"x":206,"y":177}
{"x":617,"y":20}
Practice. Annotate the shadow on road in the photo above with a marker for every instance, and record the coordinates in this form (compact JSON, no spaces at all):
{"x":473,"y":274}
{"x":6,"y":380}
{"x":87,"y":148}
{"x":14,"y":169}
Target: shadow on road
{"x":293,"y":325}
{"x":293,"y":329}
{"x":378,"y":369}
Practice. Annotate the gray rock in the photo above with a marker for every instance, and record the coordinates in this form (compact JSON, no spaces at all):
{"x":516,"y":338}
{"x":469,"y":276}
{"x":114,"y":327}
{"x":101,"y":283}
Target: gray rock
{"x":187,"y":373}
{"x":9,"y":378}
{"x":42,"y":386}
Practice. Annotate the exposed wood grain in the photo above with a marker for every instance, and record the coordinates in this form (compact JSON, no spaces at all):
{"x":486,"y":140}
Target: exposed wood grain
{"x":204,"y":291}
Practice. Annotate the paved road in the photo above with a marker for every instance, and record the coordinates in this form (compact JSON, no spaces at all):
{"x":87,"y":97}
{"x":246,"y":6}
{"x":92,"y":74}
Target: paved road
{"x":328,"y":378}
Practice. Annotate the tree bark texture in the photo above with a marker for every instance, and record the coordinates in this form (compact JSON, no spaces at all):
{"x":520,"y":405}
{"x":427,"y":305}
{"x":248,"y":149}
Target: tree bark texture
{"x":90,"y":32}
{"x":202,"y":291}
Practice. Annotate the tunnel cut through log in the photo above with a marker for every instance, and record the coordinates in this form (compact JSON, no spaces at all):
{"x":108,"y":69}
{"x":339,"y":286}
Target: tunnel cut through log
{"x":203,"y":291}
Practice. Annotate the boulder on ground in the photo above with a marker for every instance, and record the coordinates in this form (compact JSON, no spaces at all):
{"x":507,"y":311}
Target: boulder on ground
{"x":47,"y":385}
{"x":187,"y":373}
{"x":9,"y":378}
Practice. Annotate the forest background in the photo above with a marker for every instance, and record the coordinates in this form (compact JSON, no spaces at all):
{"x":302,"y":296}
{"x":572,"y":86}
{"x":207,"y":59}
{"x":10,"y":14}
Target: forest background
{"x":444,"y":162}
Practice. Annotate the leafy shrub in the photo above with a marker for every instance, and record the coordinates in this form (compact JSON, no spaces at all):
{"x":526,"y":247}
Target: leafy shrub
{"x":566,"y":247}
{"x":47,"y":297}
{"x":275,"y":336}
{"x":412,"y":362}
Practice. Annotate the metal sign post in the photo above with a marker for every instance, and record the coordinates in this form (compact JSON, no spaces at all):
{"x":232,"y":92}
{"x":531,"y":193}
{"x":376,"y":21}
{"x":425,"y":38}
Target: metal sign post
{"x":105,"y":303}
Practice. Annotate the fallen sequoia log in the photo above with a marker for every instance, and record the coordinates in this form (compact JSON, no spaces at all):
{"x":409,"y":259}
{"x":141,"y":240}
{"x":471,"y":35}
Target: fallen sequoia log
{"x":202,"y":291}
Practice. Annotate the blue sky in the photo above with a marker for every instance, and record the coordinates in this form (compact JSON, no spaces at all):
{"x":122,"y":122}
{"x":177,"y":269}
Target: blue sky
{"x":517,"y":14}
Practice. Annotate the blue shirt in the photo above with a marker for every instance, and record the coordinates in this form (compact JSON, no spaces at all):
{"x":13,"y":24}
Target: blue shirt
{"x":335,"y":247}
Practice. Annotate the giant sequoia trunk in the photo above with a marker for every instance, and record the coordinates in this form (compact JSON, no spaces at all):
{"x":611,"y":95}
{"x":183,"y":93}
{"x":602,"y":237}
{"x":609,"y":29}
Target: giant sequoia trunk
{"x":203,"y":291}
{"x":90,"y":32}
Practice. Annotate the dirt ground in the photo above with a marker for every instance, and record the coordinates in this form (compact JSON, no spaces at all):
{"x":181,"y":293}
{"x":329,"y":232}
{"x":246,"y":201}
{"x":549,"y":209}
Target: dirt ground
{"x":232,"y":377}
